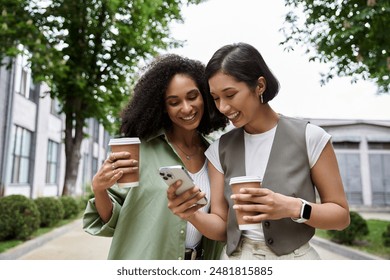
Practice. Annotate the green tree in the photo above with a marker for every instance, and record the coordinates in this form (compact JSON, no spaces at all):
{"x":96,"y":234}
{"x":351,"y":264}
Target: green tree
{"x":352,"y":36}
{"x":85,"y":50}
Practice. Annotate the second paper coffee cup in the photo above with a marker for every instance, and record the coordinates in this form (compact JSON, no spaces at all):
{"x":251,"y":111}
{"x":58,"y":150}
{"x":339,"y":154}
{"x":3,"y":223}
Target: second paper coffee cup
{"x":131,"y":145}
{"x":237,"y":183}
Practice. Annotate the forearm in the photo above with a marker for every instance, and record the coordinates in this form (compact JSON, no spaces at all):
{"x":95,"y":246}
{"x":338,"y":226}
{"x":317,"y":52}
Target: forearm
{"x":103,"y":205}
{"x":210,"y":225}
{"x":329,"y":216}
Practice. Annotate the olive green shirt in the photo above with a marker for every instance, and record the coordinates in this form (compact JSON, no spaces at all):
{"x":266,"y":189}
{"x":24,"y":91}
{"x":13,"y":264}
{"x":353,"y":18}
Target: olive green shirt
{"x":142,"y":226}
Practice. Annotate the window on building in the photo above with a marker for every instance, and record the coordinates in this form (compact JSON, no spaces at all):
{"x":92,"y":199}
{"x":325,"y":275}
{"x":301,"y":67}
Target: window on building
{"x":21,"y":156}
{"x":55,"y":107}
{"x":22,"y":85}
{"x":24,"y":82}
{"x":52,"y":163}
{"x":95,"y":131}
{"x":33,"y":91}
{"x":346,"y":145}
{"x":348,"y":157}
{"x":106,"y":140}
{"x":86,"y":169}
{"x":94,"y":166}
{"x":379,"y":156}
{"x":379,"y":146}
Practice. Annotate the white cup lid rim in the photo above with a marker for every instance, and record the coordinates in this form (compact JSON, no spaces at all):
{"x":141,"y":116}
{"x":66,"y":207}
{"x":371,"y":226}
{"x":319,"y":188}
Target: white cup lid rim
{"x":124,"y":140}
{"x":244,"y":179}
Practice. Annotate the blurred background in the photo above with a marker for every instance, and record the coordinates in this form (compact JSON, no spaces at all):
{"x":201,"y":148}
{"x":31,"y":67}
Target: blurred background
{"x":68,"y":68}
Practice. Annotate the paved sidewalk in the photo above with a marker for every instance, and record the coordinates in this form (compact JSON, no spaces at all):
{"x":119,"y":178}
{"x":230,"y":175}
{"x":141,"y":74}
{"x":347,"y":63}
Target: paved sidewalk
{"x":66,"y":243}
{"x":70,"y":242}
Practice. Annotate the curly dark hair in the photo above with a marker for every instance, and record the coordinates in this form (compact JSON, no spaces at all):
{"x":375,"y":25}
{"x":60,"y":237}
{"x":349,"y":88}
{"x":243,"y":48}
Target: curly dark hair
{"x":145,"y":114}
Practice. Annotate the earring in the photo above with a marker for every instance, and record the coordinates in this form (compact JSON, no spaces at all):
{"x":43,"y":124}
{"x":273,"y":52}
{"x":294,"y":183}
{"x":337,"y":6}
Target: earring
{"x":261,"y":99}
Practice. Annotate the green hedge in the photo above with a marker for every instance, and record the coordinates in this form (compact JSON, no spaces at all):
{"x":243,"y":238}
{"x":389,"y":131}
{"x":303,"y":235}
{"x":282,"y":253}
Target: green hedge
{"x":356,"y":230}
{"x":386,"y":237}
{"x":70,"y":205}
{"x":51,"y":210}
{"x":19,"y":217}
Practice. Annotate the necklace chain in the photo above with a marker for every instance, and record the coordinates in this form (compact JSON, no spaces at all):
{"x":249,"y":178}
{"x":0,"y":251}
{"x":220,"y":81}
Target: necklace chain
{"x":188,"y":157}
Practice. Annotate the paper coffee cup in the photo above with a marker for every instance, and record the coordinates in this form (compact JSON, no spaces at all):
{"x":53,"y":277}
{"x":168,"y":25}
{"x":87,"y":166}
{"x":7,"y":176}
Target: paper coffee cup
{"x":236,"y":183}
{"x":130,"y":145}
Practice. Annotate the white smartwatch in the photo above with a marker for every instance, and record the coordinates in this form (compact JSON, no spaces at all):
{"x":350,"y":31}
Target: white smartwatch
{"x":305,"y":212}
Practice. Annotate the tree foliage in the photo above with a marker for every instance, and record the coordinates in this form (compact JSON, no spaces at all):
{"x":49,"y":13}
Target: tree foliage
{"x":85,"y":50}
{"x":352,"y":36}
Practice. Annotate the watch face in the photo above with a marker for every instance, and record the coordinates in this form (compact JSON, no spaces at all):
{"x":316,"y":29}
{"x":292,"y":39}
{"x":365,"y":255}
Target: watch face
{"x":306,"y":211}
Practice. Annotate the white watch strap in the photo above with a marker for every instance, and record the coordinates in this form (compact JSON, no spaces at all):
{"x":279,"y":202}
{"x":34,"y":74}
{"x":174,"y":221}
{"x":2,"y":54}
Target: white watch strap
{"x":301,"y":219}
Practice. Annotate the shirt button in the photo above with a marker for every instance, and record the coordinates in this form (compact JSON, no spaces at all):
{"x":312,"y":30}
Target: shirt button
{"x":179,"y":258}
{"x":182,"y":232}
{"x":270,"y":241}
{"x":267,"y":224}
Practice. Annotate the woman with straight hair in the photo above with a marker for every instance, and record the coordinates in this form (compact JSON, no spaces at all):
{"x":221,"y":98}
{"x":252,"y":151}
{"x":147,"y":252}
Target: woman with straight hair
{"x":293,"y":158}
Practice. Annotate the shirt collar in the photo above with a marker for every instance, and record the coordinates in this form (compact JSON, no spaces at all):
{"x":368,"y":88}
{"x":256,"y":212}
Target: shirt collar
{"x":162,"y":134}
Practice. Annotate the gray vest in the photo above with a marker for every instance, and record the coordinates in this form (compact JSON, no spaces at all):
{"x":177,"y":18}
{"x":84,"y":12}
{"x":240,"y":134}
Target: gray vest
{"x":287,"y":172}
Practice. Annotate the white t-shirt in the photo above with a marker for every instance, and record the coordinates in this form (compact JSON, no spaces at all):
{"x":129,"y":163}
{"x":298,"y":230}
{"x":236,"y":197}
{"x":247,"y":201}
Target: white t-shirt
{"x":201,"y":179}
{"x":258,"y":149}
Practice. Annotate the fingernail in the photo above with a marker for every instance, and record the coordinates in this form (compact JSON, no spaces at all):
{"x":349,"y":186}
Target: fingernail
{"x":235,"y":206}
{"x":233,"y":196}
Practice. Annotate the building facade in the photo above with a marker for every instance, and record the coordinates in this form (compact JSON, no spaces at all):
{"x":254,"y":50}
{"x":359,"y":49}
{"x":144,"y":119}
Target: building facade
{"x":363,"y":152}
{"x":31,"y":139}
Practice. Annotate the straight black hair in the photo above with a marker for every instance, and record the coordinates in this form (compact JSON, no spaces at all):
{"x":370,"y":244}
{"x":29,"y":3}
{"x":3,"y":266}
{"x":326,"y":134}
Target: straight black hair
{"x":244,"y":63}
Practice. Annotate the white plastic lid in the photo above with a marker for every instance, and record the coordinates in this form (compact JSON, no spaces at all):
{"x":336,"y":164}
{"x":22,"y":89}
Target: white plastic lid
{"x":244,"y":179}
{"x":124,"y":141}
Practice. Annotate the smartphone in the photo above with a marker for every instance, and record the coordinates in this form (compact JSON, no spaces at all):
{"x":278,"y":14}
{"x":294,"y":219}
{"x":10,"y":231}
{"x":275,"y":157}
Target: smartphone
{"x":171,"y":174}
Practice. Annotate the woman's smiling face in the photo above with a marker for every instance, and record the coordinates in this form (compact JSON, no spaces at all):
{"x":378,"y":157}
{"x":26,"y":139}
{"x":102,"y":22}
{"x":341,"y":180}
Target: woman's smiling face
{"x":184,"y":102}
{"x":234,"y":99}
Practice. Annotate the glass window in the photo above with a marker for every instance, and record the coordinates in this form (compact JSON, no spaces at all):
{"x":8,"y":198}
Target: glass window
{"x":86,"y":167}
{"x":380,"y":179}
{"x":106,"y":140}
{"x":94,"y":166}
{"x":22,"y":86}
{"x":379,"y":156}
{"x":55,"y":107}
{"x":379,"y":145}
{"x":21,"y":156}
{"x":52,"y":162}
{"x":346,"y":145}
{"x":350,"y":166}
{"x":23,"y":82}
{"x":95,"y":131}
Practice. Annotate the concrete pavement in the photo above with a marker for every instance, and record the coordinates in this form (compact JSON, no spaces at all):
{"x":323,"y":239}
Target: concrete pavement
{"x":70,"y":242}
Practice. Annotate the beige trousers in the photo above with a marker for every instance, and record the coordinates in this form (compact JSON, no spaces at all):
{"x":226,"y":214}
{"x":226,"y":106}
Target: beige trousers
{"x":249,"y":249}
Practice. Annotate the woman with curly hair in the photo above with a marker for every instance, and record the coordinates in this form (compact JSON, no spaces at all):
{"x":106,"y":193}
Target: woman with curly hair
{"x":171,"y":116}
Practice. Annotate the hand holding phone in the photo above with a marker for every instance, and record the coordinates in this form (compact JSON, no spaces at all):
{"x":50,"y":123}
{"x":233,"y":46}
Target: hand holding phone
{"x":170,"y":174}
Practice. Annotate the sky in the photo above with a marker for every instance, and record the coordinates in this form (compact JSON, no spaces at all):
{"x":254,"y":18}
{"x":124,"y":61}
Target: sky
{"x":214,"y":23}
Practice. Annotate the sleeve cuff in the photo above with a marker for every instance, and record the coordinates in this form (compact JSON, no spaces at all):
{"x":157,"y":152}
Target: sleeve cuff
{"x":93,"y":224}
